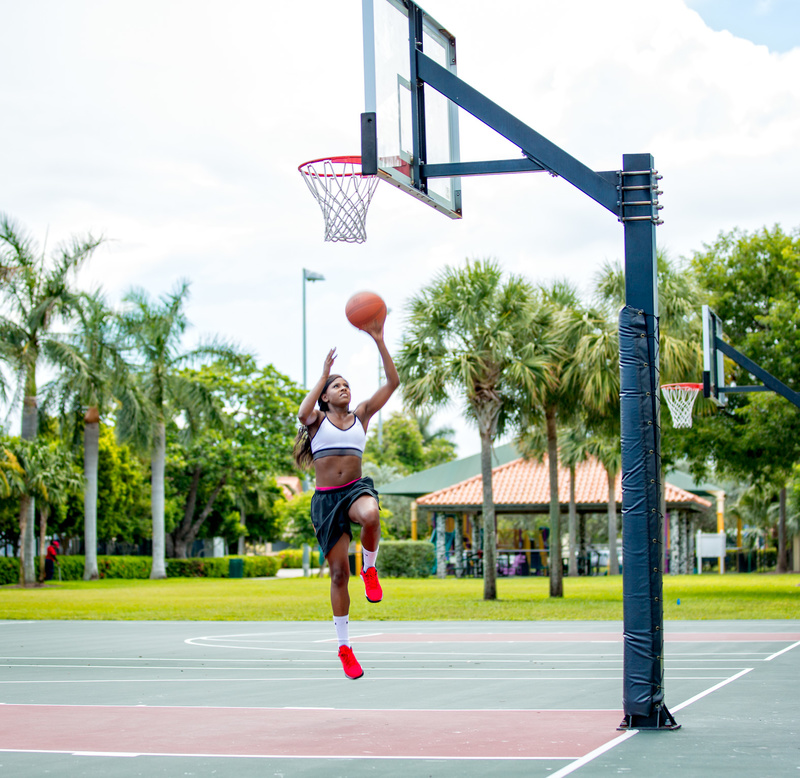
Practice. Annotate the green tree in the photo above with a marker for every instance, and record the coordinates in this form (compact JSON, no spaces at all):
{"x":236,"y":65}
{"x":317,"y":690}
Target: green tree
{"x":753,"y":283}
{"x":294,"y":516}
{"x":161,"y":390}
{"x":36,"y":294}
{"x":260,"y":407}
{"x":404,"y":446}
{"x":472,"y":334}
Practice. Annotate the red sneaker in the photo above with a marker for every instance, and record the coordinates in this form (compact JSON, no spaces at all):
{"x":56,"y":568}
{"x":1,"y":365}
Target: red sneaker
{"x":374,"y":591}
{"x":352,"y":669}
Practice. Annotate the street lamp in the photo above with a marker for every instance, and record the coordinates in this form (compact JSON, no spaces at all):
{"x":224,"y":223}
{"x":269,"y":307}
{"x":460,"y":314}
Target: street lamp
{"x":308,"y":275}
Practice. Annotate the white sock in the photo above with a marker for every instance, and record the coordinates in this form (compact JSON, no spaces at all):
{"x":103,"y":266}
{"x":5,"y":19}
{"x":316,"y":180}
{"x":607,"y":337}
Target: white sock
{"x":342,"y":624}
{"x":370,"y":557}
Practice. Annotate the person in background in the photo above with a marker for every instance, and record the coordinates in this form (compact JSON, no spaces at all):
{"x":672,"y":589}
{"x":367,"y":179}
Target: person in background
{"x":50,"y":560}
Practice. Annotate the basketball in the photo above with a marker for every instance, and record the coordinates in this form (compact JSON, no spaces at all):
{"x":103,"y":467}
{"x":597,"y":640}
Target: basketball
{"x":363,"y":308}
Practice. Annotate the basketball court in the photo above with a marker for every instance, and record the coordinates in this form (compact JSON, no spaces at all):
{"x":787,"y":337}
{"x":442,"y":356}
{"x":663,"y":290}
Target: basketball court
{"x":472,"y":698}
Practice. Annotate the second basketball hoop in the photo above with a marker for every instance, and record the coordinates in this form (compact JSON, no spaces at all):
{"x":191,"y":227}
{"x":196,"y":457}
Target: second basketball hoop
{"x":343,"y":194}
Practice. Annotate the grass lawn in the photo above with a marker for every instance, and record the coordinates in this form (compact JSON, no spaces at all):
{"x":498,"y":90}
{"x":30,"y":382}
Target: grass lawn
{"x":709,"y":596}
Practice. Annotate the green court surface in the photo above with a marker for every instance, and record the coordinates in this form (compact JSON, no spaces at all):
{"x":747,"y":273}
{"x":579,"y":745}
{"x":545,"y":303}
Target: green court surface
{"x":94,"y":698}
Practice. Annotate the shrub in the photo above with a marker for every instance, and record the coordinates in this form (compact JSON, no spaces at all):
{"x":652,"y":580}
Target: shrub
{"x":291,"y":557}
{"x":406,"y":558}
{"x":9,"y":570}
{"x":123,"y":566}
{"x":261,"y":566}
{"x":71,"y":567}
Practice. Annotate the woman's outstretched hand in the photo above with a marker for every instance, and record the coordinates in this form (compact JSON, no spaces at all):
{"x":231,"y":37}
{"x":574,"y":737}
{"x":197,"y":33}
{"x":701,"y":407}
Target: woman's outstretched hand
{"x":328,"y":364}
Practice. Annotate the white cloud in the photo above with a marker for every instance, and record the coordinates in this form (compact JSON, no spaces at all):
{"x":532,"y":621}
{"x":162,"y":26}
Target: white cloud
{"x":176,"y":130}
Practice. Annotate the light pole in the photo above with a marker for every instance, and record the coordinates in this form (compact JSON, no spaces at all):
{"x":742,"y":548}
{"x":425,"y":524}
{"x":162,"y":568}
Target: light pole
{"x":308,"y":275}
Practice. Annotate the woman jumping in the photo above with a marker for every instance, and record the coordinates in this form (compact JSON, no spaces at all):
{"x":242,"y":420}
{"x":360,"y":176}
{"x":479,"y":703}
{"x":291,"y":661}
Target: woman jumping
{"x":332,"y":438}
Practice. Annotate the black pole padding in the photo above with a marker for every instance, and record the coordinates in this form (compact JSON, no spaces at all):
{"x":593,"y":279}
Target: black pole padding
{"x":642,"y":528}
{"x":369,"y":144}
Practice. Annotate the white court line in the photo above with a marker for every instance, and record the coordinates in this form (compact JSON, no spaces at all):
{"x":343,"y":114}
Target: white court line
{"x":402,"y":676}
{"x":712,"y":689}
{"x":788,"y":648}
{"x":531,"y":657}
{"x":316,"y":757}
{"x":478,"y":666}
{"x":313,"y":707}
{"x":571,"y":768}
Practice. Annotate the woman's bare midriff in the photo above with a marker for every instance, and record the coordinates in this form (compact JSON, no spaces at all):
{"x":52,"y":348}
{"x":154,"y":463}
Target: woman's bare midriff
{"x":337,"y":471}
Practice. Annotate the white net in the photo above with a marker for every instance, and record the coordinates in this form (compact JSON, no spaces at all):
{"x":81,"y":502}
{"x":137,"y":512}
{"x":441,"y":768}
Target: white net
{"x":680,"y":401}
{"x":343,"y":195}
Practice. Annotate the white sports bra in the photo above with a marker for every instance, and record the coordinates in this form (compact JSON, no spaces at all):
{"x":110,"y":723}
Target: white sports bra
{"x":330,"y":441}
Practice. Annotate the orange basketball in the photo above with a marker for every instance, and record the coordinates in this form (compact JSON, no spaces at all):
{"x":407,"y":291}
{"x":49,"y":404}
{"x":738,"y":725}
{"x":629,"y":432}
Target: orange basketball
{"x":363,"y":308}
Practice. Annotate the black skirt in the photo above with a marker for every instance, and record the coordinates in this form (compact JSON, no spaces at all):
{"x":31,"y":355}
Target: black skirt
{"x":330,"y":510}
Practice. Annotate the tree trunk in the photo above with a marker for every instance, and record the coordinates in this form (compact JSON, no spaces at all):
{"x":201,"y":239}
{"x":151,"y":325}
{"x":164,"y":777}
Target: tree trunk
{"x":489,"y":524}
{"x":613,"y":562}
{"x":663,"y":508}
{"x":240,"y":546}
{"x":181,"y":536}
{"x":91,"y":454}
{"x":583,"y":543}
{"x":45,"y":514}
{"x":185,"y":533}
{"x":674,"y":544}
{"x":441,"y":545}
{"x":24,"y":518}
{"x":781,"y":568}
{"x":157,"y":463}
{"x":458,"y":548}
{"x":556,"y":563}
{"x":573,"y":526}
{"x":30,"y":424}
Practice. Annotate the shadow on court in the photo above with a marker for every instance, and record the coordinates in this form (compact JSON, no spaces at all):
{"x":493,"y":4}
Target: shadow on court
{"x":438,"y":699}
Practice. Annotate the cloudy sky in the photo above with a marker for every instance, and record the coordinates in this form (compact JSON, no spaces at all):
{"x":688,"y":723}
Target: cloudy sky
{"x":174,"y":128}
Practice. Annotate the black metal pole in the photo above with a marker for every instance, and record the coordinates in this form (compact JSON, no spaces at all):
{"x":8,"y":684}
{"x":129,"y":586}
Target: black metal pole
{"x":642,"y":524}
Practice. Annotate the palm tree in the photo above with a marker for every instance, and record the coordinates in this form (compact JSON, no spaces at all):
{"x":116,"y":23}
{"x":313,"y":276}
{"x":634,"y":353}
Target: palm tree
{"x":11,"y":472}
{"x":470,"y":334}
{"x":678,"y":314}
{"x":596,"y":362}
{"x":61,"y":478}
{"x":91,"y":366}
{"x":559,"y":401}
{"x":35,"y":294}
{"x":28,"y":484}
{"x":161,"y":390}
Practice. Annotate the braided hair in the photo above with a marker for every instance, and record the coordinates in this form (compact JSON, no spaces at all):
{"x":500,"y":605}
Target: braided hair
{"x":302,"y":442}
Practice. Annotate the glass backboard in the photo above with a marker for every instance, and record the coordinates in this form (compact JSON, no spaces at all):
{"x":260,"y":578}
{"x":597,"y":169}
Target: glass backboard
{"x":388,"y":94}
{"x":713,"y":359}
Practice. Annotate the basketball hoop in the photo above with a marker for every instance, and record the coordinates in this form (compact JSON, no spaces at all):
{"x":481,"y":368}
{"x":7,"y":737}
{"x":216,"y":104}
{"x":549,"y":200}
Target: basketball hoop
{"x":343,"y":195}
{"x":680,"y":401}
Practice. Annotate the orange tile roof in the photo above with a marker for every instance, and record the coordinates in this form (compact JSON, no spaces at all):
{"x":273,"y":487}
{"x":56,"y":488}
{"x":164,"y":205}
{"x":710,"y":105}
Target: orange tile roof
{"x":525,"y":484}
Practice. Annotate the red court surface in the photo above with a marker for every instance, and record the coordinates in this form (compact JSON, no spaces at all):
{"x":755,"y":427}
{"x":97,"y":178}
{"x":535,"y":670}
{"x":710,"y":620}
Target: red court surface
{"x":437,"y":699}
{"x":450,"y":734}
